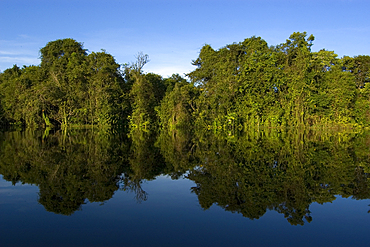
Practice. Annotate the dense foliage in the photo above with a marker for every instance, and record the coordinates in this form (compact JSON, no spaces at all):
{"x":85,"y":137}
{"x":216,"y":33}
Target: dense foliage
{"x":286,"y":85}
{"x":240,"y":85}
{"x":73,"y":88}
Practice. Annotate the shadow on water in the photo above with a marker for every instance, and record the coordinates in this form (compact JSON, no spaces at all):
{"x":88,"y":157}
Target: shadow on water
{"x":248,"y":173}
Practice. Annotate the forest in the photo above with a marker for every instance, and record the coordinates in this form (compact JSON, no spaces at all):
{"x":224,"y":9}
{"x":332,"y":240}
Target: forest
{"x":208,"y":113}
{"x":239,"y":86}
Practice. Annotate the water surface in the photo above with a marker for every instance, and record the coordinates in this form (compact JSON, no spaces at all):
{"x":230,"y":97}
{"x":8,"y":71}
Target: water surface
{"x":83,"y":188}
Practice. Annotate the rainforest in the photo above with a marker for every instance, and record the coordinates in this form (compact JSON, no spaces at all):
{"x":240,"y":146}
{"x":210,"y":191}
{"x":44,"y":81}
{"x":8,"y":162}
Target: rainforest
{"x":93,"y":152}
{"x":240,"y":86}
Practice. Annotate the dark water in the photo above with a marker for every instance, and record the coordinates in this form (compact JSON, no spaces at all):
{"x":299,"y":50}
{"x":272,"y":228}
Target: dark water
{"x":263,"y":188}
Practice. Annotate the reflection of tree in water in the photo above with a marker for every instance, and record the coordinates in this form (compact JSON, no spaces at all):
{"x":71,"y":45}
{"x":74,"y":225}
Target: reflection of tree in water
{"x":259,"y":171}
{"x":74,"y":167}
{"x":69,"y":168}
{"x":279,"y":171}
{"x":146,"y":163}
{"x":60,"y":201}
{"x":145,"y":159}
{"x":177,"y":148}
{"x":134,"y":186}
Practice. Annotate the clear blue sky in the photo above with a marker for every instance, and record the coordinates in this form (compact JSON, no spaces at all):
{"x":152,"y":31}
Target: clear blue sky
{"x":172,"y":32}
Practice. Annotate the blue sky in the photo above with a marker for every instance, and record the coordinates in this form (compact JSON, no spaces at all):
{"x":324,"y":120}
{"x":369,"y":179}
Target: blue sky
{"x":173,"y":32}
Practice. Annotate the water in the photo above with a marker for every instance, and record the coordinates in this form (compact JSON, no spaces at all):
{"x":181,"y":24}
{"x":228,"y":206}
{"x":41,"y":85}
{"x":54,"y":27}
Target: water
{"x":88,"y":189}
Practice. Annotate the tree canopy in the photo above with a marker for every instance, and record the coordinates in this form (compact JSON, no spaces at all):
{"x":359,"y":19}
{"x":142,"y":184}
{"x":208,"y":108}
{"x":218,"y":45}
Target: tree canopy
{"x":241,"y":85}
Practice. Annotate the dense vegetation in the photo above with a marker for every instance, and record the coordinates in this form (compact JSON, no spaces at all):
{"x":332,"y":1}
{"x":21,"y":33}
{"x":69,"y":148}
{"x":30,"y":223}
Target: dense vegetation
{"x":240,"y":85}
{"x":250,"y":83}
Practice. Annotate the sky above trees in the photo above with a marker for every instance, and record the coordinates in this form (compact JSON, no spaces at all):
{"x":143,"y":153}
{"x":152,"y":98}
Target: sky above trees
{"x":172,"y":32}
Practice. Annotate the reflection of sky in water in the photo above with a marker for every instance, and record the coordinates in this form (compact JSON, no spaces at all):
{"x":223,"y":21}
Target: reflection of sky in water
{"x":172,"y":217}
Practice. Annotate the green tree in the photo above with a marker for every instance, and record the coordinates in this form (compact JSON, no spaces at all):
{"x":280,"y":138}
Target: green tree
{"x":158,"y":86}
{"x":177,"y":107}
{"x":331,"y":91}
{"x":260,"y":82}
{"x":241,"y":79}
{"x":141,"y":94}
{"x":294,"y":58}
{"x":105,"y":103}
{"x":361,"y":69}
{"x":20,"y":103}
{"x":64,"y":87}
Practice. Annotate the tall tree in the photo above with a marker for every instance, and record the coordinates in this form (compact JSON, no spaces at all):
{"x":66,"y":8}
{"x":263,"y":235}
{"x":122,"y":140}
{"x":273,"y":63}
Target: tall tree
{"x":294,"y":57}
{"x":105,"y":101}
{"x":142,"y":95}
{"x":64,"y":88}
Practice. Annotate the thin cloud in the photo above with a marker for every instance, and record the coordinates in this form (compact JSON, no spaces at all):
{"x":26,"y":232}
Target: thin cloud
{"x":9,"y":53}
{"x":24,"y":50}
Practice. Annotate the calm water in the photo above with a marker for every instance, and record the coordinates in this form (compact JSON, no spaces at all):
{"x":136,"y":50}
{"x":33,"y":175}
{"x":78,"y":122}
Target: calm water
{"x":265,"y":188}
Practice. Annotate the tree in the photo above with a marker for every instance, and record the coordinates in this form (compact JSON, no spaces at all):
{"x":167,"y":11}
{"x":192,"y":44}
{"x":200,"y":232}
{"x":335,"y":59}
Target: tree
{"x":294,"y":58}
{"x":158,"y":85}
{"x":19,"y":101}
{"x":64,"y":87}
{"x":177,"y":107}
{"x":237,"y":80}
{"x":105,"y":103}
{"x":361,"y":69}
{"x":260,"y":84}
{"x":80,"y":88}
{"x":141,"y":94}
